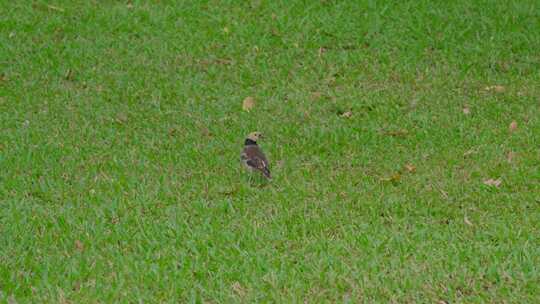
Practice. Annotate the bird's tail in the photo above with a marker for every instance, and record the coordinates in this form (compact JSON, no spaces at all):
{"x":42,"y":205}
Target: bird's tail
{"x":266,"y":173}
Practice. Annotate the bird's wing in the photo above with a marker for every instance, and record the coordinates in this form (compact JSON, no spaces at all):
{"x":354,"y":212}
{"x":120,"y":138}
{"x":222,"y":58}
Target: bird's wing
{"x":254,"y":157}
{"x":257,"y":163}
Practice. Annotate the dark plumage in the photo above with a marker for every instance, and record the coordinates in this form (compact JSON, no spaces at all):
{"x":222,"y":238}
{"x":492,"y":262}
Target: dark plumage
{"x":253,"y":157}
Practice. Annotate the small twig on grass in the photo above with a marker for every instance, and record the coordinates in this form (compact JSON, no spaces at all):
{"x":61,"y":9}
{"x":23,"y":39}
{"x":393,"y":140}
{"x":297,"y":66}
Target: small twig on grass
{"x":55,"y":8}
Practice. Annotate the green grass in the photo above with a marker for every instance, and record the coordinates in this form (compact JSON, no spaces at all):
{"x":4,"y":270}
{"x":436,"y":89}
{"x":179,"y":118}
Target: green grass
{"x":122,"y":124}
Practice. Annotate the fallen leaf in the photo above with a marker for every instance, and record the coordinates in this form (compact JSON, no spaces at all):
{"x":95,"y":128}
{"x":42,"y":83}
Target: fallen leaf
{"x":227,"y":191}
{"x":397,"y":133}
{"x":205,"y":131}
{"x":493,"y":182}
{"x":173,"y":131}
{"x":469,"y":152}
{"x":238,"y":289}
{"x":410,"y":168}
{"x":346,"y":114}
{"x":466,"y":110}
{"x":443,"y":193}
{"x":55,"y":8}
{"x":316,"y":95}
{"x":226,"y":30}
{"x":255,"y":4}
{"x":121,"y":118}
{"x":223,"y":61}
{"x":322,"y":50}
{"x":513,"y":126}
{"x":394,"y":178}
{"x":495,"y":88}
{"x":62,"y":297}
{"x":79,"y":245}
{"x":510,"y":156}
{"x":466,"y":220}
{"x":248,"y":104}
{"x":68,"y":75}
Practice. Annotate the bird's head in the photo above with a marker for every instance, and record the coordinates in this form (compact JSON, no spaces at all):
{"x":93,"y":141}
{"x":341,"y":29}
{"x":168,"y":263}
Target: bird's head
{"x":255,"y":136}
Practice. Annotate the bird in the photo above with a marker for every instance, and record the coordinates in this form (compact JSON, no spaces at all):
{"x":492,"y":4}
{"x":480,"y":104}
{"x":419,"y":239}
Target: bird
{"x":253,"y":157}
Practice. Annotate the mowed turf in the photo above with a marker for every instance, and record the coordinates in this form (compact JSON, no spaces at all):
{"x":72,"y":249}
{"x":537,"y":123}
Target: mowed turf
{"x":396,"y":174}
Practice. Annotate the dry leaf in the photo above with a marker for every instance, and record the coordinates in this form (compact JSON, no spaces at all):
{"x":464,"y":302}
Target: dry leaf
{"x":79,"y":245}
{"x":410,"y":168}
{"x":121,"y":118}
{"x":443,"y":193}
{"x":223,"y":61}
{"x":466,"y":220}
{"x":322,"y":50}
{"x":346,"y":114}
{"x":173,"y":130}
{"x":330,"y":80}
{"x":510,"y":156}
{"x":227,"y":191}
{"x":469,"y":152}
{"x":255,"y":3}
{"x":466,"y":110}
{"x":238,"y":289}
{"x":115,"y":220}
{"x":316,"y":95}
{"x":496,"y":88}
{"x":55,"y":8}
{"x":513,"y":126}
{"x":397,"y":133}
{"x":493,"y":182}
{"x":248,"y":104}
{"x":394,"y":178}
{"x":68,"y":75}
{"x":205,"y":131}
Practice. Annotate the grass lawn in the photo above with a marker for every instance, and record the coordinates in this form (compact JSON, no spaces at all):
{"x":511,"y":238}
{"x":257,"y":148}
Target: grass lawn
{"x":403,"y":136}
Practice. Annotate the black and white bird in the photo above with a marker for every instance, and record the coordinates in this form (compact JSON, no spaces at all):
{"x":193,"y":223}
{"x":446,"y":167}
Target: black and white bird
{"x":253,"y":157}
